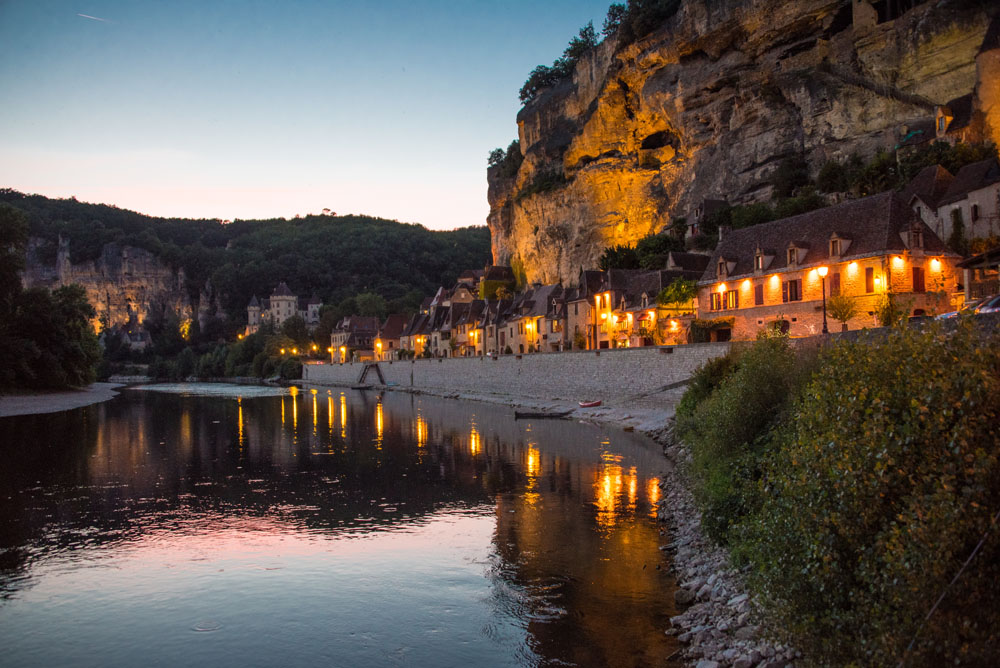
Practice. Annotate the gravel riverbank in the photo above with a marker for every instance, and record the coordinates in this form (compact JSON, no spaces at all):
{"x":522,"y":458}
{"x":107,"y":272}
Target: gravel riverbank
{"x":36,"y":403}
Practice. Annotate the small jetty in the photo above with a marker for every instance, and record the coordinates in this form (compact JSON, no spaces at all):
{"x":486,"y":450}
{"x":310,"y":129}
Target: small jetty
{"x":528,"y":415}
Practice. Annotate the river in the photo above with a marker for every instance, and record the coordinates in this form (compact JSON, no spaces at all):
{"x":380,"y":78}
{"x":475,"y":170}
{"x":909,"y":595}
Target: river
{"x":240,"y":526}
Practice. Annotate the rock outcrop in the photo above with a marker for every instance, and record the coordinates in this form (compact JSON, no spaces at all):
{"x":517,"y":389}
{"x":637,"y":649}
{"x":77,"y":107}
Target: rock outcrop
{"x":708,"y":106}
{"x":123,"y":283}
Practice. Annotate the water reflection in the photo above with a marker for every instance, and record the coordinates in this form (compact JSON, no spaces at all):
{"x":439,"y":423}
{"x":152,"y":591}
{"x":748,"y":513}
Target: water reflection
{"x":159,"y":512}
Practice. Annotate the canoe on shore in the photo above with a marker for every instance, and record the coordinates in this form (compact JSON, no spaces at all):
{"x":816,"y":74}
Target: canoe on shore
{"x":590,"y":404}
{"x":525,"y":415}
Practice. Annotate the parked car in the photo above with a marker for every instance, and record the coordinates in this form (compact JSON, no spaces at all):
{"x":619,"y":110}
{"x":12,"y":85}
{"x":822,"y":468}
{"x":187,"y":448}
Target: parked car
{"x":992,"y":303}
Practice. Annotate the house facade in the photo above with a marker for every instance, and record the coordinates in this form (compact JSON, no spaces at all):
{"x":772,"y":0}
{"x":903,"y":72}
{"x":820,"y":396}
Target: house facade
{"x":771,"y":275}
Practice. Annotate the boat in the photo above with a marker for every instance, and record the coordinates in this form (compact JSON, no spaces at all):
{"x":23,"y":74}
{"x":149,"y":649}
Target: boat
{"x":590,"y":404}
{"x":525,"y":415}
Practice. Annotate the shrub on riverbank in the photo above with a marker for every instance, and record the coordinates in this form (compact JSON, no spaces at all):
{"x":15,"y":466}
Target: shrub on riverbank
{"x":855,"y":487}
{"x":881,"y":485}
{"x":727,"y":417}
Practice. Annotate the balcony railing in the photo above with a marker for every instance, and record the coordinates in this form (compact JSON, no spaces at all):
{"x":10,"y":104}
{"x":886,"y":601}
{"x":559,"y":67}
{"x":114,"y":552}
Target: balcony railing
{"x":987,"y":288}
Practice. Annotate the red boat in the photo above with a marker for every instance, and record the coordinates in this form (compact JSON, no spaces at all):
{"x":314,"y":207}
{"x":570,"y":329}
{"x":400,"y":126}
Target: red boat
{"x":590,"y":404}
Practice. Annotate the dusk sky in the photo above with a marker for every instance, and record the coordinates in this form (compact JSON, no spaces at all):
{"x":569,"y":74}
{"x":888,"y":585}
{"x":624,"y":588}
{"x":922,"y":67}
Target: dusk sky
{"x":249,"y":109}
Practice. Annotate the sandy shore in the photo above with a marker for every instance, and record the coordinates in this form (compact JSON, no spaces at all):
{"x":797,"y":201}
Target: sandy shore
{"x":53,"y":402}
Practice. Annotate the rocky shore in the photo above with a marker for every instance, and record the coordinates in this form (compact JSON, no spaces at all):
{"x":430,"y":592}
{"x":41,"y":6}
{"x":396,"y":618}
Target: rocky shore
{"x":720,"y":627}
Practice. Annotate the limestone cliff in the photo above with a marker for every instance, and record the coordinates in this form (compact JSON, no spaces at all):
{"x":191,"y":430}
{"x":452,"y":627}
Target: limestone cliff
{"x":123,"y":282}
{"x":708,"y":106}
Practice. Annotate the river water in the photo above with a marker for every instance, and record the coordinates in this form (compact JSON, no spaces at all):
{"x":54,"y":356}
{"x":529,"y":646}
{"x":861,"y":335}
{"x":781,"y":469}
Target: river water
{"x":239,"y":526}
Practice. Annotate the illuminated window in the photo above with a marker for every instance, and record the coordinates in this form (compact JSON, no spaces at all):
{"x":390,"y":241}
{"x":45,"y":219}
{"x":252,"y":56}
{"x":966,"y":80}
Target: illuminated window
{"x":791,"y":291}
{"x":732,"y":299}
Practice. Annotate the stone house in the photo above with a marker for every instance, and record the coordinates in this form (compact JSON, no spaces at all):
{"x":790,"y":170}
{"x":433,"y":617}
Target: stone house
{"x":923,"y":194}
{"x":354,"y":338}
{"x":972,"y":200}
{"x":387,"y":341}
{"x":769,"y":275}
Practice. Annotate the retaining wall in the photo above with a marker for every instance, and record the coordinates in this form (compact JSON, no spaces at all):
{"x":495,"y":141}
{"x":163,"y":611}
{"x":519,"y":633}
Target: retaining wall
{"x":615,"y":376}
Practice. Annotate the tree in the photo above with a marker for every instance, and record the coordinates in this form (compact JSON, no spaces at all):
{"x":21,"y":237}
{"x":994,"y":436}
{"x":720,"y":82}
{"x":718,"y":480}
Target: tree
{"x":582,"y":44}
{"x":652,"y":249}
{"x":616,"y":12}
{"x":679,"y":293}
{"x":295,"y":329}
{"x":792,"y":173}
{"x":618,"y":257}
{"x":371,"y":304}
{"x":496,"y":157}
{"x":842,"y":308}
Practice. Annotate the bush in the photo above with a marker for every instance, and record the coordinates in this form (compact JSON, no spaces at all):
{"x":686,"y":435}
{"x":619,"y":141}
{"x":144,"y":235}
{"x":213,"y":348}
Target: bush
{"x":884,"y":483}
{"x":618,"y":257}
{"x":728,"y":430}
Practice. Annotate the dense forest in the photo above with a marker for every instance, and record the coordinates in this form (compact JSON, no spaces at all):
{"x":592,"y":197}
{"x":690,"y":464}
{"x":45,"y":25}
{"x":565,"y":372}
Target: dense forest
{"x":330,"y":256}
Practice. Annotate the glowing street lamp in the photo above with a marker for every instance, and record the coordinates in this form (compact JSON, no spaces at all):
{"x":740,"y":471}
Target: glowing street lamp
{"x":823,"y":271}
{"x":343,"y":353}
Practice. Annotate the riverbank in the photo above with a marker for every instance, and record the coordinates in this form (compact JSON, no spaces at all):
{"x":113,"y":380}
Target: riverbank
{"x":37,"y":403}
{"x":719,"y":626}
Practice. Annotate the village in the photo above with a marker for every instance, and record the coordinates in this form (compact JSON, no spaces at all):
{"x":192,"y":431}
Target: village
{"x":830,"y":269}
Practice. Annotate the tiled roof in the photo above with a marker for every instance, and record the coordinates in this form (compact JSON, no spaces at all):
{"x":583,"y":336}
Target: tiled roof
{"x":961,"y":112}
{"x":992,"y":39}
{"x":687,"y":261}
{"x":971,"y":178}
{"x":872,"y":224}
{"x":498,"y":273}
{"x":361,"y":324}
{"x":393,"y":326}
{"x":591,"y":281}
{"x":930,"y":185}
{"x":282,"y":291}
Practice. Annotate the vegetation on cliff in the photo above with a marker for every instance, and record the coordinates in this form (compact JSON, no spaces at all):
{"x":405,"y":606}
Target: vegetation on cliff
{"x":332,"y":257}
{"x":46,"y":341}
{"x":859,"y":488}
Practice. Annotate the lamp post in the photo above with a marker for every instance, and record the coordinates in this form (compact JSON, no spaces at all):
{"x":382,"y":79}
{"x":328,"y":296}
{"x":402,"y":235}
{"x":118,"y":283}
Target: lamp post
{"x":822,"y":277}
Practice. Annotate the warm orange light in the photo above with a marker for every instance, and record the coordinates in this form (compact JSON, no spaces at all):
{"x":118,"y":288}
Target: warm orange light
{"x":282,"y":351}
{"x":314,"y":347}
{"x":722,"y":287}
{"x":935,"y":265}
{"x":674,"y":325}
{"x":746,"y":284}
{"x":604,"y":316}
{"x":239,"y":336}
{"x":330,"y":349}
{"x":852,"y":267}
{"x":295,"y":351}
{"x":775,"y":280}
{"x":897,"y":262}
{"x":823,"y":271}
{"x":652,"y":314}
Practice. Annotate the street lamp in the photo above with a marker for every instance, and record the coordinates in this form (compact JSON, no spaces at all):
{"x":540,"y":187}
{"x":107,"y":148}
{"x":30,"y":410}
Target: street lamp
{"x":823,"y":271}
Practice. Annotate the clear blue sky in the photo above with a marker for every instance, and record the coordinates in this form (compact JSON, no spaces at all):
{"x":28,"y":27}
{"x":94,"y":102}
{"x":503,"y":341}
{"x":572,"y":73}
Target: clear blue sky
{"x":226,"y":109}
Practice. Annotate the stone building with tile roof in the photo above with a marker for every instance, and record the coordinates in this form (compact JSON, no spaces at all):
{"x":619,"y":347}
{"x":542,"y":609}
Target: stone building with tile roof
{"x":279,"y":307}
{"x":768,"y":275}
{"x":972,"y":200}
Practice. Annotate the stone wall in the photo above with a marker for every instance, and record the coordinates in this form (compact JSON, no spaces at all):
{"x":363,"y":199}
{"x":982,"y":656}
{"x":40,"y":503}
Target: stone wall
{"x":618,"y":377}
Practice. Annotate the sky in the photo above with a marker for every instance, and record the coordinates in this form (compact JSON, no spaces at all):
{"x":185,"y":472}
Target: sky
{"x":244,"y":109}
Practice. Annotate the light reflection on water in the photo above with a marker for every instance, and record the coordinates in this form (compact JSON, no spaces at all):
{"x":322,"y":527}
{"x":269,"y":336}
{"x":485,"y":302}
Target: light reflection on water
{"x":172,"y":529}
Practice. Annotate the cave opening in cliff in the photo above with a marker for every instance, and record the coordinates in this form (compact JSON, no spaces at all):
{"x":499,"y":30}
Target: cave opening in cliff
{"x":659,"y":140}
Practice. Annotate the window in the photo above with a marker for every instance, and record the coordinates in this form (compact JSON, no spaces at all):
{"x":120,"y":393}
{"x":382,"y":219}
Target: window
{"x":758,"y":294}
{"x":869,"y":279}
{"x":918,"y":280}
{"x":916,"y":237}
{"x":835,"y":283}
{"x":576,"y":309}
{"x":716,"y":301}
{"x":721,"y":271}
{"x":941,"y":122}
{"x":725,"y":300}
{"x":732,"y":299}
{"x":834,"y":247}
{"x":975,"y":212}
{"x":791,"y":291}
{"x":791,"y":256}
{"x":758,"y":262}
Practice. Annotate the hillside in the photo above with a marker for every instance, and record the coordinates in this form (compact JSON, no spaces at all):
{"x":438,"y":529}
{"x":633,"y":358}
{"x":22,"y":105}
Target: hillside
{"x":127,"y":260}
{"x":709,"y":104}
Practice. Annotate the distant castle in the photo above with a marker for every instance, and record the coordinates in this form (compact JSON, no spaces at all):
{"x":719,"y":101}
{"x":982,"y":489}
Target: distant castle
{"x":279,"y":307}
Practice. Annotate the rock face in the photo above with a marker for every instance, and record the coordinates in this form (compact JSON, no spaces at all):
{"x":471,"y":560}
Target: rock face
{"x":708,"y":106}
{"x":123,"y":282}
